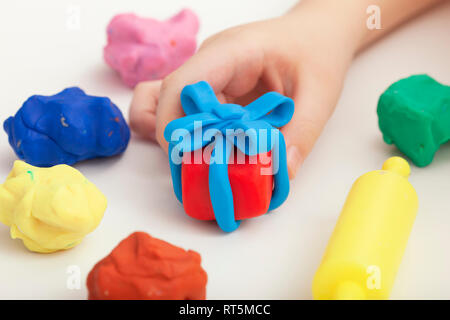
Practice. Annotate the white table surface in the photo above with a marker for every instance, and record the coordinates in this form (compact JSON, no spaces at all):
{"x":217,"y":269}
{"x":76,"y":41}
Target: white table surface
{"x":271,"y":257}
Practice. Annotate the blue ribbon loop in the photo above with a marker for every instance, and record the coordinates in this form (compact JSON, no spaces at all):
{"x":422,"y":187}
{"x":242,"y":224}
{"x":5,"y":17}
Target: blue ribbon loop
{"x":264,"y":115}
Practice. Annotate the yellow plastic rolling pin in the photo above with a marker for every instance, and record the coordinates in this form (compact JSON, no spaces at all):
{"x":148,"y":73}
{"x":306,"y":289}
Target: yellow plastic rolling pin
{"x":368,"y":242}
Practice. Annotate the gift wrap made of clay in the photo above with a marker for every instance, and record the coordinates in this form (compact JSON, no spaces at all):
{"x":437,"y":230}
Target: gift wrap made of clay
{"x":65,"y":128}
{"x":49,"y":209}
{"x":264,"y":115}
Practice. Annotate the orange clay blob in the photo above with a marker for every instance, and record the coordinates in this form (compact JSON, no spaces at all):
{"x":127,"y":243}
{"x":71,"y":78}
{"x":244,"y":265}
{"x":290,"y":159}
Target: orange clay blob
{"x":145,"y":268}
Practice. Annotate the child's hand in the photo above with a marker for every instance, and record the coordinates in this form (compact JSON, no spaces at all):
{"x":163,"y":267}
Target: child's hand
{"x":303,"y":55}
{"x":242,"y":63}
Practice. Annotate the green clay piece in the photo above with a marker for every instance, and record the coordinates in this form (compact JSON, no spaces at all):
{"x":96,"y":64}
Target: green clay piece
{"x":31,"y":174}
{"x":414,"y":114}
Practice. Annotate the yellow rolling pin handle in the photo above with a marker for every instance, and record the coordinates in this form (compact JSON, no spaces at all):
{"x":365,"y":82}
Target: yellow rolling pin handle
{"x":370,"y":237}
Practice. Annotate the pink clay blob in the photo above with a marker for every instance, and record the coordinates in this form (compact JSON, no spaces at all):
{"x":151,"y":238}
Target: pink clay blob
{"x":143,"y":49}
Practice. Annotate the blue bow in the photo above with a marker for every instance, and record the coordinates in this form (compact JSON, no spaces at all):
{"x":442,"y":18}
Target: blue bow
{"x":199,"y":102}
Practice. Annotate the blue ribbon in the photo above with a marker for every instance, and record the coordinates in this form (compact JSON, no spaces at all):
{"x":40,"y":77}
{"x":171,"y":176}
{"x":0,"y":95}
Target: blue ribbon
{"x":199,"y":102}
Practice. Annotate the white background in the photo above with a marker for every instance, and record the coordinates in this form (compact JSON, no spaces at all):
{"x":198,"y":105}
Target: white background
{"x":271,"y":257}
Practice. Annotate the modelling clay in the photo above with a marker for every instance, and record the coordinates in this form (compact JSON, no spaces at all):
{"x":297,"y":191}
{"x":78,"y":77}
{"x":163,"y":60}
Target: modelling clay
{"x":252,"y":191}
{"x":65,"y":128}
{"x":253,"y":132}
{"x":370,"y":237}
{"x":49,"y":209}
{"x":414,"y":114}
{"x":146,"y":268}
{"x":147,"y":49}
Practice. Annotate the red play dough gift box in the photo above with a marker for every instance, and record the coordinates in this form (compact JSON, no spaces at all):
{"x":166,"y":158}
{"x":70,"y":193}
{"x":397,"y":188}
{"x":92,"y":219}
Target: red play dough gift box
{"x":250,"y":178}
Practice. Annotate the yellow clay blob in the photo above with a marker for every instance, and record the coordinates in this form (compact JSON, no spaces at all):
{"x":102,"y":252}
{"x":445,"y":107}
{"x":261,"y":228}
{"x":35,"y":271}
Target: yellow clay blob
{"x":50,"y":209}
{"x":367,"y":245}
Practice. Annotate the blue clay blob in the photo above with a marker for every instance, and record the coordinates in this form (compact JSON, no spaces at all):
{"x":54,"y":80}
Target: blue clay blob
{"x":66,"y":128}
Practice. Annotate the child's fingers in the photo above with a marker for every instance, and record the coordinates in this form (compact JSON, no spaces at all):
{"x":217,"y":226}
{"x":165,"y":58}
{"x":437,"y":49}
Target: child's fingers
{"x":231,"y":70}
{"x":210,"y":64}
{"x":313,"y":108}
{"x":142,"y":114}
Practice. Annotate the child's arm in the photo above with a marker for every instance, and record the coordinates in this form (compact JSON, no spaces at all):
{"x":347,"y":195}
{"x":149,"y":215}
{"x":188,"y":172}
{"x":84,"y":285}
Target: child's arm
{"x":353,"y":15}
{"x":393,"y":13}
{"x":304,"y":54}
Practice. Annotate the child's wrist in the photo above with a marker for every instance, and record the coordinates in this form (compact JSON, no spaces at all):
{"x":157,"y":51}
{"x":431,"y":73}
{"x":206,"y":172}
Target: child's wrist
{"x":342,"y":22}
